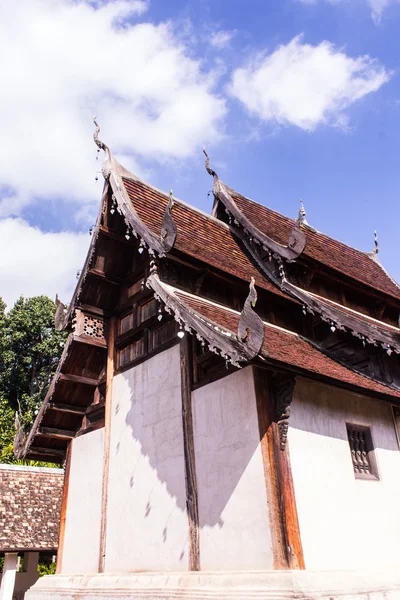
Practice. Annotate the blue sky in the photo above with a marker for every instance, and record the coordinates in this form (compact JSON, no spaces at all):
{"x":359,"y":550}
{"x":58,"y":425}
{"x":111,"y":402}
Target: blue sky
{"x":294,"y":100}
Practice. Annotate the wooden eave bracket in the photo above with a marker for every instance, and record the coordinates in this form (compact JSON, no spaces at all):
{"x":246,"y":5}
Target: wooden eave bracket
{"x":297,"y":239}
{"x":220,"y":340}
{"x":282,"y":389}
{"x":369,"y":332}
{"x":22,"y":443}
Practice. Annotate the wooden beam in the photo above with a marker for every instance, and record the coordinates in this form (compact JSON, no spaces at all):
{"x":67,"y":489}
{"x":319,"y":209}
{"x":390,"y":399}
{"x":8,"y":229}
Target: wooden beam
{"x":107,"y":433}
{"x":285,"y":530}
{"x":48,"y":452}
{"x":56,"y":433}
{"x":68,"y":408}
{"x":63,"y":516}
{"x":103,"y":276}
{"x":93,"y":310}
{"x":106,"y":231}
{"x":68,"y":377}
{"x":91,"y":341}
{"x":189,"y":454}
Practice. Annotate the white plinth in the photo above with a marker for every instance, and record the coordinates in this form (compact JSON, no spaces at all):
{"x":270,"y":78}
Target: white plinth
{"x":256,"y":585}
{"x":8,"y":577}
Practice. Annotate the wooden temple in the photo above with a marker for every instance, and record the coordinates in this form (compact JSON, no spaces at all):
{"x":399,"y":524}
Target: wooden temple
{"x":226,"y":406}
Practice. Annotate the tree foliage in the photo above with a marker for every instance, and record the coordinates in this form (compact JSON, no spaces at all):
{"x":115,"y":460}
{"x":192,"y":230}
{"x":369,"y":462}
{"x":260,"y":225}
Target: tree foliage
{"x":30,"y":349}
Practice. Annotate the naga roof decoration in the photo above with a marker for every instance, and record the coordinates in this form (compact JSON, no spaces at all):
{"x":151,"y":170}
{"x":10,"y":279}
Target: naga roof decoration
{"x":362,"y":267}
{"x":286,"y":348}
{"x":368,"y":330}
{"x":297,"y":238}
{"x":114,"y":172}
{"x":233,"y":348}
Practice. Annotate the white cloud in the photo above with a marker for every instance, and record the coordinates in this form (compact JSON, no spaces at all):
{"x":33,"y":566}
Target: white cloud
{"x":220,"y":39}
{"x":65,"y":61}
{"x":377,"y":6}
{"x":306,"y":85}
{"x":35,"y":263}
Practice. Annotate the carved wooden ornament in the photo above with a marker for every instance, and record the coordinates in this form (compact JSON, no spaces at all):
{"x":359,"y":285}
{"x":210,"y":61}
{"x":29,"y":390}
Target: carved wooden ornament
{"x":297,"y":239}
{"x":251,"y":327}
{"x":282,"y":389}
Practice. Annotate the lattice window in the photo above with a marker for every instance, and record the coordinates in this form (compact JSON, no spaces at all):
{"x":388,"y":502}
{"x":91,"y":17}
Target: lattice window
{"x":93,"y":327}
{"x":362,"y":452}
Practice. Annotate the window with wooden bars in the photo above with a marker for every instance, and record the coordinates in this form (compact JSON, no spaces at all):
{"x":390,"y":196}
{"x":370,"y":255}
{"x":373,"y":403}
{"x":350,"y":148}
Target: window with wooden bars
{"x":362,"y":451}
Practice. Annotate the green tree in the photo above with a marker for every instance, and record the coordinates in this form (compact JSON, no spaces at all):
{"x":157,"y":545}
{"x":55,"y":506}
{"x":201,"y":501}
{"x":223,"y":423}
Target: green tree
{"x":30,"y":349}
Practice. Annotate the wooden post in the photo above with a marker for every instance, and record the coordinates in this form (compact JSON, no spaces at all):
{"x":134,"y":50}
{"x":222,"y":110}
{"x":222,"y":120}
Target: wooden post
{"x":285,"y":530}
{"x":64,"y":504}
{"x":107,"y":433}
{"x":190,"y":465}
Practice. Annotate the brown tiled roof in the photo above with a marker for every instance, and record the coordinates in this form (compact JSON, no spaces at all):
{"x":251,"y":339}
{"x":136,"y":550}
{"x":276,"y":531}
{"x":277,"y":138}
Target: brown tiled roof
{"x":332,"y":253}
{"x":30,"y":506}
{"x":198,"y":235}
{"x":288,"y":348}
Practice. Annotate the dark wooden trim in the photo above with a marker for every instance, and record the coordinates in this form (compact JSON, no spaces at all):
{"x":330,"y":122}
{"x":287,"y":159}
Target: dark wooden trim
{"x":68,"y":377}
{"x":107,"y":232}
{"x":53,"y":432}
{"x":285,"y":530}
{"x":86,"y":339}
{"x":137,"y":361}
{"x":92,"y":427}
{"x":94,"y":310}
{"x":64,"y":504}
{"x":47,"y":453}
{"x":107,"y":432}
{"x":68,"y":408}
{"x":189,"y":452}
{"x":270,"y":473}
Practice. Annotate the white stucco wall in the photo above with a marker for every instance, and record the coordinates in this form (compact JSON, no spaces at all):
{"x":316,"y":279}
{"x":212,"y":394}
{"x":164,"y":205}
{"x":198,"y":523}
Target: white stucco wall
{"x":82,"y":526}
{"x":147,"y":525}
{"x":233,"y":511}
{"x":344,"y":522}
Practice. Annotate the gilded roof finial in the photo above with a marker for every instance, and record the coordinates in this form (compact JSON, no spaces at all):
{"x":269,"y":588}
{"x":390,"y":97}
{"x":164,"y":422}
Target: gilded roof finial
{"x":210,"y":171}
{"x":376,"y":249}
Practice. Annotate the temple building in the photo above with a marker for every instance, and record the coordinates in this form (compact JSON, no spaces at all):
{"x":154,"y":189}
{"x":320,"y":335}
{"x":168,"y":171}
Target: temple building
{"x":226,"y":406}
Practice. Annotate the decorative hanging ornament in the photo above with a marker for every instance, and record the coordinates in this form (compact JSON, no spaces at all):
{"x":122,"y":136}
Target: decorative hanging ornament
{"x":181,"y":333}
{"x":127,"y":235}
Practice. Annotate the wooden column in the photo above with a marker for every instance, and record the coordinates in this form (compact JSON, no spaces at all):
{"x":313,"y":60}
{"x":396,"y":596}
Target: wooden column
{"x":273,"y":423}
{"x":190,"y":464}
{"x":107,"y":433}
{"x":64,"y":504}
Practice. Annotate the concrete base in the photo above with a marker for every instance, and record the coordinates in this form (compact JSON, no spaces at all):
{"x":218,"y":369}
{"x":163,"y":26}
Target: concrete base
{"x":205,"y":585}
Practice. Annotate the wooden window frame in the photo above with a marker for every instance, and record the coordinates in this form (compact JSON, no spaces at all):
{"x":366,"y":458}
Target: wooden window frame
{"x":373,"y":475}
